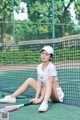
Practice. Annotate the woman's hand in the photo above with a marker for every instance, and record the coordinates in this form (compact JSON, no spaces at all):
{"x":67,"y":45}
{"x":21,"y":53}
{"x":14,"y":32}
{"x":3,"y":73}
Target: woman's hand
{"x":36,"y":100}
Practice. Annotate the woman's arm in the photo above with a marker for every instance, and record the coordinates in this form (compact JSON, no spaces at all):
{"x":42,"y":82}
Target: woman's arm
{"x":37,"y":99}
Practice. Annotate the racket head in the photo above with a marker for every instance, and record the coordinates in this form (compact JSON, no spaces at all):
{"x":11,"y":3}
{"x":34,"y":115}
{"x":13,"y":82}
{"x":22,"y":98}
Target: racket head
{"x":10,"y":108}
{"x":13,"y":107}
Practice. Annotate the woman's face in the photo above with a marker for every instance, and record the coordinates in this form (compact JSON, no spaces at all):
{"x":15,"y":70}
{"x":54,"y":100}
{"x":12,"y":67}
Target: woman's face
{"x":45,"y":57}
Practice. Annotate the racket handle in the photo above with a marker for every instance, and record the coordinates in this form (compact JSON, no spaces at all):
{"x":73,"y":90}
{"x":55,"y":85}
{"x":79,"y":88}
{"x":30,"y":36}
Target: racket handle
{"x":30,"y":103}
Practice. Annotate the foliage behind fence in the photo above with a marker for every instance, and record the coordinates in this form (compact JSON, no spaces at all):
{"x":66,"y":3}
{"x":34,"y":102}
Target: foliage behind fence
{"x":66,"y":48}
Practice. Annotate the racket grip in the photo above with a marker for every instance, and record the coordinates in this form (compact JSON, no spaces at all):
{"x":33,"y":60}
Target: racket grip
{"x":30,"y":103}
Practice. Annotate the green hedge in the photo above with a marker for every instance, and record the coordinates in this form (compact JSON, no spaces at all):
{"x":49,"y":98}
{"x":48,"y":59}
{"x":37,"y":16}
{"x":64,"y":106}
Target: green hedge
{"x":67,"y":54}
{"x":28,"y":56}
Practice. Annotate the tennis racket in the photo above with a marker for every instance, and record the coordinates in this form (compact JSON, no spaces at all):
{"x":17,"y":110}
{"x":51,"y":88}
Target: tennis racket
{"x":13,"y":107}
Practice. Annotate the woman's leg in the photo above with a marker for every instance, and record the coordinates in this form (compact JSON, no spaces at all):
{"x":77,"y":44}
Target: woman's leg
{"x":48,"y":90}
{"x":54,"y":95}
{"x":47,"y":93}
{"x":30,"y":82}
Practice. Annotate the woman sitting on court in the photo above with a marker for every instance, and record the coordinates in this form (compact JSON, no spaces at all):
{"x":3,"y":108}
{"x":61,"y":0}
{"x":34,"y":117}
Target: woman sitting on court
{"x":46,"y":87}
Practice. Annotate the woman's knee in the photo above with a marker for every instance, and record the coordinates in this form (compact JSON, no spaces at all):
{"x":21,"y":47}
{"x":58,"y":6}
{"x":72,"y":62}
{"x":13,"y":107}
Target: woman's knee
{"x":30,"y":81}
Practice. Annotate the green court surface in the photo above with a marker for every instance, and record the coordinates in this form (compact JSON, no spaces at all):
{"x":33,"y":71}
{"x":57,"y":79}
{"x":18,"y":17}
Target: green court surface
{"x":69,"y":80}
{"x":57,"y":111}
{"x":10,"y":80}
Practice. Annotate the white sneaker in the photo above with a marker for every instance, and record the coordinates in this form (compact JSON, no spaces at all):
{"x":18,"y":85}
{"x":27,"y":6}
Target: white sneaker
{"x":43,"y":107}
{"x":8,"y":99}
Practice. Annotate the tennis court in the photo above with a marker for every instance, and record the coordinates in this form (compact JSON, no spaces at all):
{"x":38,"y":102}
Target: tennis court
{"x":11,"y":79}
{"x":57,"y":111}
{"x":67,"y":62}
{"x":48,"y":22}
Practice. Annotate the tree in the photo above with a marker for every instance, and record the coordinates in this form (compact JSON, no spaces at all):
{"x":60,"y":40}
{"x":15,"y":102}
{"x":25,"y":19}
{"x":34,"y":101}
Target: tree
{"x":64,"y":14}
{"x":40,"y":18}
{"x":6,"y":10}
{"x":77,"y":10}
{"x":40,"y":11}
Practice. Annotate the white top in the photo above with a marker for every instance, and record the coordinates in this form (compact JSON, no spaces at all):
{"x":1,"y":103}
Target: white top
{"x":50,"y":70}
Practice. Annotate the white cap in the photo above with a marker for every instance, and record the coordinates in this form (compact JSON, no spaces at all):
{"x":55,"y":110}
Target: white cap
{"x":48,"y":49}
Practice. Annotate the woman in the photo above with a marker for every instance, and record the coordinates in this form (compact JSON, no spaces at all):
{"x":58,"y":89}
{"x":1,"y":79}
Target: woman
{"x":46,"y":87}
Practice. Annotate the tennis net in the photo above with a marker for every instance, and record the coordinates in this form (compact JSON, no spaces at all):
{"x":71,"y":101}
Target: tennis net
{"x":18,"y":65}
